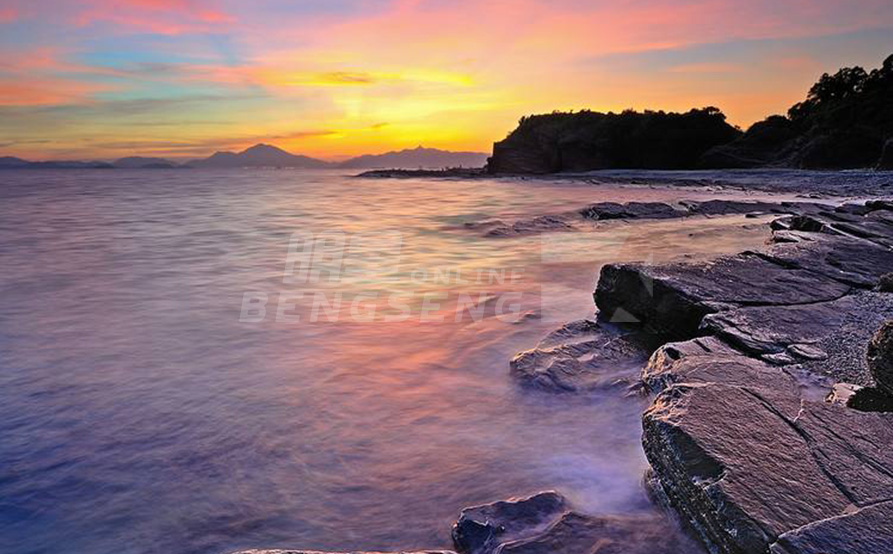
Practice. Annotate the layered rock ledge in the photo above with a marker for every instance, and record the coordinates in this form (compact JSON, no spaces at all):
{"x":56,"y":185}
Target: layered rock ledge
{"x":742,"y":442}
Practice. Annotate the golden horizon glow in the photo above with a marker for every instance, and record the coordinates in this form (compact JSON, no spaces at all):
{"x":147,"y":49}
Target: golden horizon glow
{"x":184,"y":78}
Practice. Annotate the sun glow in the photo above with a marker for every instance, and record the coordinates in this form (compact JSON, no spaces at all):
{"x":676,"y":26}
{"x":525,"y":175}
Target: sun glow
{"x":96,"y":79}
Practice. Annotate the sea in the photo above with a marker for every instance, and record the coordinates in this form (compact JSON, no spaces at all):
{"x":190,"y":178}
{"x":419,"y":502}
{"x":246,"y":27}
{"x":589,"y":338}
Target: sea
{"x":201,"y":361}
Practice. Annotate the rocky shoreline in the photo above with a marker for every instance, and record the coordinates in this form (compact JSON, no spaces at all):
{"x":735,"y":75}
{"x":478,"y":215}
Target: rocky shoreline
{"x":742,"y":442}
{"x":770,"y":426}
{"x":599,"y":212}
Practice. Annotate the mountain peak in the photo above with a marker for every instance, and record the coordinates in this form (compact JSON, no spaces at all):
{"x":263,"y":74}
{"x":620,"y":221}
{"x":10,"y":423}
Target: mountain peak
{"x":259,"y":155}
{"x":262,"y":148}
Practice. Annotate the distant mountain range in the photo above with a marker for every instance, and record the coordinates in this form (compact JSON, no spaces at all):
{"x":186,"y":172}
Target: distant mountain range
{"x":265,"y":155}
{"x":417,"y":158}
{"x":259,"y":155}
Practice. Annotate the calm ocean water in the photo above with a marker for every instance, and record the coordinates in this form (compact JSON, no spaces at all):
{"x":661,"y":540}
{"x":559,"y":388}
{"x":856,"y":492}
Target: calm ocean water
{"x":140,"y":412}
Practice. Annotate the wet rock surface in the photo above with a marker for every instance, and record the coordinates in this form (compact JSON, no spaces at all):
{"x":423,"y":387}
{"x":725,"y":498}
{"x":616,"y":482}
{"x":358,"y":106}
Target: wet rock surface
{"x":546,"y":524}
{"x":739,"y":449}
{"x":632,"y":210}
{"x":536,"y":225}
{"x":582,"y":356}
{"x":610,"y":211}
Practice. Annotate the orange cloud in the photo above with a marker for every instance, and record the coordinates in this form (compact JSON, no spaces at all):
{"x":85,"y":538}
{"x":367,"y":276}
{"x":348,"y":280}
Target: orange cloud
{"x":46,"y":92}
{"x":447,"y":73}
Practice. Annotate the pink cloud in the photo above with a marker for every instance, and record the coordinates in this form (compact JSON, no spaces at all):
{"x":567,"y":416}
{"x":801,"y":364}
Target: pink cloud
{"x":168,"y":17}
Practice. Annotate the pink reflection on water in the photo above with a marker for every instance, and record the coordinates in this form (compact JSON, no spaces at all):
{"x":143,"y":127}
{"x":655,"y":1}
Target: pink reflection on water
{"x":142,"y":411}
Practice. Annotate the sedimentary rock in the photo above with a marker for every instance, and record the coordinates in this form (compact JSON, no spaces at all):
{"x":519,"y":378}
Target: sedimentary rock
{"x":744,"y":459}
{"x":539,"y":224}
{"x":827,"y":338}
{"x":672,"y":300}
{"x":867,"y":530}
{"x":733,"y":465}
{"x":800,"y":268}
{"x":607,"y":211}
{"x":880,"y":357}
{"x":482,"y":529}
{"x":706,"y":360}
{"x":737,"y":447}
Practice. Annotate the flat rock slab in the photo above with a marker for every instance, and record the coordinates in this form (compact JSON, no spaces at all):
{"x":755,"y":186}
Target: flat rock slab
{"x":609,"y":211}
{"x":865,"y":531}
{"x":854,"y":261}
{"x":799,"y":269}
{"x":546,"y":524}
{"x":735,"y":467}
{"x":828,"y":338}
{"x":536,"y":225}
{"x":578,"y":534}
{"x":673,"y":299}
{"x":632,"y":210}
{"x":707,"y":360}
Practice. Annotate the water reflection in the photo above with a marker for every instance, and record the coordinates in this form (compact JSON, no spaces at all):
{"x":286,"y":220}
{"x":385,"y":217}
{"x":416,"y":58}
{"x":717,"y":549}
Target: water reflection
{"x":139,"y":414}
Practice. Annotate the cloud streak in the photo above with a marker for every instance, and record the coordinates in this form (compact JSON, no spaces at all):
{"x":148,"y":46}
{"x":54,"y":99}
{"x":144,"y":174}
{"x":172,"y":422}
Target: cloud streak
{"x":453,"y":74}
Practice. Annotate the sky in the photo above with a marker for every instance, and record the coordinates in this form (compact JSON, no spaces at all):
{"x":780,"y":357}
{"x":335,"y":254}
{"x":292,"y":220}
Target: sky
{"x":101,"y":79}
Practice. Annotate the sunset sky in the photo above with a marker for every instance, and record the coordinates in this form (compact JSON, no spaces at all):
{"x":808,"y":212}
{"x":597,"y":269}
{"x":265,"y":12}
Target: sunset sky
{"x":331,"y":78}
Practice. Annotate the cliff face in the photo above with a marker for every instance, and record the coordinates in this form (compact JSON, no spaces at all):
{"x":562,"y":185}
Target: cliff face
{"x":587,"y":140}
{"x":843,"y":123}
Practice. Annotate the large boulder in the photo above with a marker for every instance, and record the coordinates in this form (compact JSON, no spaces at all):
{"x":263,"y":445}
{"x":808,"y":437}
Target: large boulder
{"x":880,"y":357}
